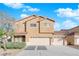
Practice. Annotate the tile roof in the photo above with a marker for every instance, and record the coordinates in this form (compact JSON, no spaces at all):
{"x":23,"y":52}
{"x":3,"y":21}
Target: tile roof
{"x":61,"y":32}
{"x":36,"y":17}
{"x":68,"y":31}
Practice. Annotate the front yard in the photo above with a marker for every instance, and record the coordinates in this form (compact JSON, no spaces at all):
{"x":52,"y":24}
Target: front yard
{"x":9,"y":52}
{"x":15,"y":45}
{"x":12,"y":48}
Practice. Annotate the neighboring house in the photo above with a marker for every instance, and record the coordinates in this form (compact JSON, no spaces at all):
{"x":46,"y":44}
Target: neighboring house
{"x":73,"y":36}
{"x":59,"y":37}
{"x":34,"y":30}
{"x":67,"y":37}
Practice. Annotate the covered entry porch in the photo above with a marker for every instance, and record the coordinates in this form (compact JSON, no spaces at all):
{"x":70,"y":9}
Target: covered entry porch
{"x":19,"y":38}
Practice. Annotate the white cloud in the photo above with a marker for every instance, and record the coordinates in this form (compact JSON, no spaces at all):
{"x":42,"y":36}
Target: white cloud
{"x":24,"y":10}
{"x":57,"y":26}
{"x":68,"y":24}
{"x":65,"y":25}
{"x":20,"y":5}
{"x":67,"y":12}
{"x":77,"y":18}
{"x":71,"y":14}
{"x":32,"y":9}
{"x":24,"y":15}
{"x":14,"y":5}
{"x":78,"y":6}
{"x":28,"y":7}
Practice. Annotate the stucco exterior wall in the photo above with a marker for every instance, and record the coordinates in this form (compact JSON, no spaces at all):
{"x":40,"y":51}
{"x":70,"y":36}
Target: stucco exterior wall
{"x":76,"y":39}
{"x":19,"y":25}
{"x":47,"y":26}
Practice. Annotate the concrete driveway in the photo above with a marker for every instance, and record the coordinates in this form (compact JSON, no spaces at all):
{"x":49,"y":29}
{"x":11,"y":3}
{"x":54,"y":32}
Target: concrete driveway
{"x":49,"y":51}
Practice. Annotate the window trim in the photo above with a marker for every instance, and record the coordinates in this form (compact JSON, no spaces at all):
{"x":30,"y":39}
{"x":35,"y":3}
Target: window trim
{"x":33,"y":25}
{"x":47,"y":24}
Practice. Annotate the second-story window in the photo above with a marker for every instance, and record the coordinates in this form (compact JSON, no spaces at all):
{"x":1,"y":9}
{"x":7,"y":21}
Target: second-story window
{"x":33,"y":25}
{"x":47,"y":24}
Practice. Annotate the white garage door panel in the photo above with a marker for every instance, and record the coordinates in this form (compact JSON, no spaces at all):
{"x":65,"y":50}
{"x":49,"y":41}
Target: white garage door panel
{"x":77,"y":42}
{"x":57,"y":41}
{"x":39,"y":41}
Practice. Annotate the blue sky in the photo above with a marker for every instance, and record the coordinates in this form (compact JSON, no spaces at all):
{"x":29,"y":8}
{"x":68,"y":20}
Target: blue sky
{"x":66,"y":15}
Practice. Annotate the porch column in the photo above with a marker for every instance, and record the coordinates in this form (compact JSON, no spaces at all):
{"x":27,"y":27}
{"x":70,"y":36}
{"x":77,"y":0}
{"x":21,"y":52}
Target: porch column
{"x":13,"y":39}
{"x":64,"y":42}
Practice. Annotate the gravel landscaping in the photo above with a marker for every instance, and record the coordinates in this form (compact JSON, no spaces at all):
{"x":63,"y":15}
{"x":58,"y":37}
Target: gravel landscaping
{"x":9,"y":52}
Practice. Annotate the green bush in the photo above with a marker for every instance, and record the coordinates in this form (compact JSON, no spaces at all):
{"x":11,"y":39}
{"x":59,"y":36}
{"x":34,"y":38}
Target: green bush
{"x":15,"y":45}
{"x":0,"y":46}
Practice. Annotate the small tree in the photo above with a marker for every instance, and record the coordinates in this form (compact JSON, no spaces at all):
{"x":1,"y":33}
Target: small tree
{"x":6,"y":27}
{"x":2,"y":33}
{"x":9,"y":29}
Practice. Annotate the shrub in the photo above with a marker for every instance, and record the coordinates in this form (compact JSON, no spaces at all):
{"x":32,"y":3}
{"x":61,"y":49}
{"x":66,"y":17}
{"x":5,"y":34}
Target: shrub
{"x":0,"y":46}
{"x":15,"y":45}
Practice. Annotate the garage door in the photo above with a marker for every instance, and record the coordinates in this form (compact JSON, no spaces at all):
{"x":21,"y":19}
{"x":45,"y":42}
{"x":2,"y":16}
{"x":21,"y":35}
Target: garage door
{"x":39,"y":41}
{"x":58,"y":41}
{"x":77,"y":41}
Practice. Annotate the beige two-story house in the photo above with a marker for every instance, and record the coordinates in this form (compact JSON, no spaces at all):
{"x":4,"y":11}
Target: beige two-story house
{"x":34,"y":30}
